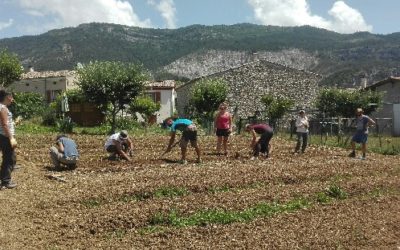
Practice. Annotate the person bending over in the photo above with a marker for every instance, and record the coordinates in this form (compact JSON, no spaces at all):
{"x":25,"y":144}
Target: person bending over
{"x":261,"y":144}
{"x":189,"y":134}
{"x":119,"y":145}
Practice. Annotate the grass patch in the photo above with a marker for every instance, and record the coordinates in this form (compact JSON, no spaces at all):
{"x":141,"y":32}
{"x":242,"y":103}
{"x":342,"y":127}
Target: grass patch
{"x":216,"y":216}
{"x":212,"y":216}
{"x":385,"y":145}
{"x":334,"y":191}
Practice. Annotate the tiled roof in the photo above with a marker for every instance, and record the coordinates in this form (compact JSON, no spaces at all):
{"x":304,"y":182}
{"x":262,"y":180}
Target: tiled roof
{"x":162,"y":84}
{"x":46,"y":74}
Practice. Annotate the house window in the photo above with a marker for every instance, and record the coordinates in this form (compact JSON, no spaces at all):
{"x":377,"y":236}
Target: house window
{"x":155,"y":96}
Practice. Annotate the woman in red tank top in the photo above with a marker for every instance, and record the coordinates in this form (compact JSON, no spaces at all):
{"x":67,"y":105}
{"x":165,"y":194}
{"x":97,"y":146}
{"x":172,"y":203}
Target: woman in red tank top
{"x":223,"y":127}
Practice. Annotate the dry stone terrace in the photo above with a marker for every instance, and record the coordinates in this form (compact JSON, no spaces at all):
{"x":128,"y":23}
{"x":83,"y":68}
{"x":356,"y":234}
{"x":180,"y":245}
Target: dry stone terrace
{"x":249,"y":82}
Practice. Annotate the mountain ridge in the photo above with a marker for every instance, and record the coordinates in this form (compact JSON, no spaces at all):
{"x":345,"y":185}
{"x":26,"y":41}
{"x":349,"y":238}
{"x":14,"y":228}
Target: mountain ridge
{"x":188,"y":52}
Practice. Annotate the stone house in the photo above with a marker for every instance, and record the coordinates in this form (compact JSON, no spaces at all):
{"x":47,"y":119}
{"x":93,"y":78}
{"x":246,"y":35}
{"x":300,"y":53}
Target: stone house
{"x":249,"y":82}
{"x":390,"y":110}
{"x":47,"y":83}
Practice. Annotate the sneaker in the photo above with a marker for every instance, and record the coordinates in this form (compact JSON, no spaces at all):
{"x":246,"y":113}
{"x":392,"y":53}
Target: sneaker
{"x":363,"y":158}
{"x":352,"y":154}
{"x":9,"y":185}
{"x":183,"y":162}
{"x":199,"y":161}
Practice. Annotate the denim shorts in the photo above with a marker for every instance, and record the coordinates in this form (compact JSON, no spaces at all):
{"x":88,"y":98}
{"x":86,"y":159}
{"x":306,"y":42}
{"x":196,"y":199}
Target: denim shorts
{"x":360,"y":137}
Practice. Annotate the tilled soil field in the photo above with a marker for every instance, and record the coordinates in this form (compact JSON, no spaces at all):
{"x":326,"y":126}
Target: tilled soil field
{"x":318,"y":200}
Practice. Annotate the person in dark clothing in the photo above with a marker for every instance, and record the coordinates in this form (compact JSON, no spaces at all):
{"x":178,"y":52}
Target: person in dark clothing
{"x":261,"y":144}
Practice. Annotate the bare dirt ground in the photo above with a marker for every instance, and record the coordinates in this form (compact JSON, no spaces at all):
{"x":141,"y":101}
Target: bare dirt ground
{"x":112,"y":205}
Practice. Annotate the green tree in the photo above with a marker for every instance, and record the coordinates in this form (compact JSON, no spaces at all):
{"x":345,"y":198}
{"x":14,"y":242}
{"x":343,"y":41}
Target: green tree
{"x":276,"y":107}
{"x":28,"y":105}
{"x":145,"y":106}
{"x":343,"y":102}
{"x":10,"y":68}
{"x":206,"y":96}
{"x":111,"y":85}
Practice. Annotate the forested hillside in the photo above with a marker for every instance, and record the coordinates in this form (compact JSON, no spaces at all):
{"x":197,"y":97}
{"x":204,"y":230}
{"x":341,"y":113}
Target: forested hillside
{"x":198,"y":50}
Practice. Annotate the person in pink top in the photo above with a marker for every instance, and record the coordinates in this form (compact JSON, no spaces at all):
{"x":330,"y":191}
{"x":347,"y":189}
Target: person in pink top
{"x":223,"y":127}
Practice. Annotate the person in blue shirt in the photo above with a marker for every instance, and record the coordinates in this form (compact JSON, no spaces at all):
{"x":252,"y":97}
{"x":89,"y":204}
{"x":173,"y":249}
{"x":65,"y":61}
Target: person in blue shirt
{"x":361,"y":135}
{"x":64,"y":152}
{"x":189,"y":134}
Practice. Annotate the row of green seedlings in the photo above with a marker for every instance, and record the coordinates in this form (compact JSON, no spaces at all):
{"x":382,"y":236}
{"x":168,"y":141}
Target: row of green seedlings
{"x":160,"y":221}
{"x":215,"y":216}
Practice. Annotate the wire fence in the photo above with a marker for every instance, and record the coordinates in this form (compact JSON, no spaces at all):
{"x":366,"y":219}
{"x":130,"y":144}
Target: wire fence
{"x":322,"y":129}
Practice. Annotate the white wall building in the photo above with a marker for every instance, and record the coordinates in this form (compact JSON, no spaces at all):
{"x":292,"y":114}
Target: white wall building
{"x":163,"y":92}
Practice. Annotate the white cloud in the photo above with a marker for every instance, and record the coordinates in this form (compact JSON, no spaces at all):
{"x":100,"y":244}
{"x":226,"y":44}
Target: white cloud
{"x":64,"y":13}
{"x":167,"y":10}
{"x":7,"y":24}
{"x":297,"y":12}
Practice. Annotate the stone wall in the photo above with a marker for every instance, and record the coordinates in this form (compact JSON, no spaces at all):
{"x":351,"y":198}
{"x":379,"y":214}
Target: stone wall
{"x":249,"y":82}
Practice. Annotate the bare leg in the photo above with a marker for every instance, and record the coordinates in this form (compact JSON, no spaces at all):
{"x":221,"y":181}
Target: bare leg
{"x":183,"y":152}
{"x":219,"y":142}
{"x":226,"y":145}
{"x":198,"y":152}
{"x":353,"y":145}
{"x":364,"y":149}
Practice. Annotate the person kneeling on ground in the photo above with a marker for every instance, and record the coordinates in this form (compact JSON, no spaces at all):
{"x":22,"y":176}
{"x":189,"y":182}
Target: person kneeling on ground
{"x":263,"y":143}
{"x":119,"y":144}
{"x":65,"y":152}
{"x":189,"y":133}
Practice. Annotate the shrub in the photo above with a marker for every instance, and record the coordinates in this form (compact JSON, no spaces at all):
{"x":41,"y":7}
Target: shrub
{"x":28,"y":105}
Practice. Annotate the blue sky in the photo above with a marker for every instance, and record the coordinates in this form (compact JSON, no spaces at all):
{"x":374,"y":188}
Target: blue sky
{"x":31,"y":17}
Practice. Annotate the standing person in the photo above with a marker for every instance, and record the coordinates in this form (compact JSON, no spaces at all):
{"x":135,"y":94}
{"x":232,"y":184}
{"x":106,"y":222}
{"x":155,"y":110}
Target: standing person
{"x":301,"y":131}
{"x":263,"y":143}
{"x":223,"y":127}
{"x":65,"y":151}
{"x":119,"y":144}
{"x":361,"y":135}
{"x":7,"y":140}
{"x":189,"y":134}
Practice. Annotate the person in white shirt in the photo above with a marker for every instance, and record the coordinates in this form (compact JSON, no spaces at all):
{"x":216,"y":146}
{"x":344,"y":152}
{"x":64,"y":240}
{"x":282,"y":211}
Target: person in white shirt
{"x":119,"y":144}
{"x":7,"y":140}
{"x":301,"y":131}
